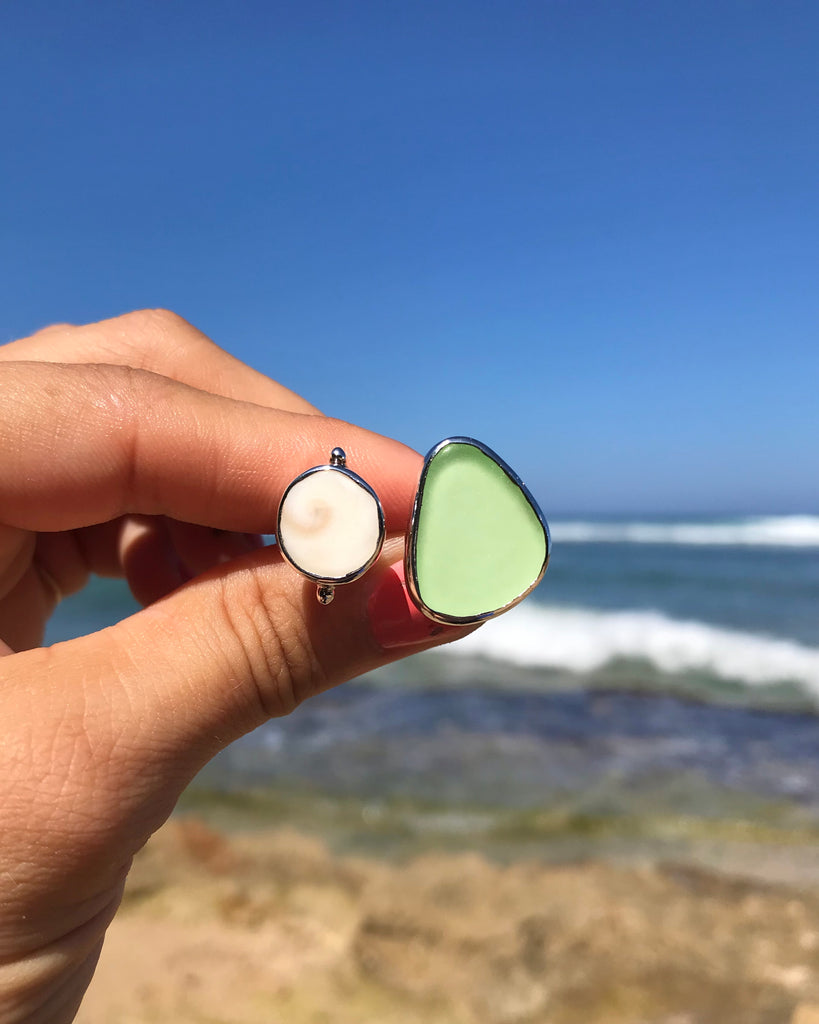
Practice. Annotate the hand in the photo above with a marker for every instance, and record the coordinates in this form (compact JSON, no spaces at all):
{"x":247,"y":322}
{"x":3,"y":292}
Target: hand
{"x":136,"y":447}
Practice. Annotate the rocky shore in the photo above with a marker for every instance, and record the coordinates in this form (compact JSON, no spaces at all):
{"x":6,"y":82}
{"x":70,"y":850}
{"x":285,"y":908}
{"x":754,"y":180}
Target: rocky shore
{"x":271,"y":926}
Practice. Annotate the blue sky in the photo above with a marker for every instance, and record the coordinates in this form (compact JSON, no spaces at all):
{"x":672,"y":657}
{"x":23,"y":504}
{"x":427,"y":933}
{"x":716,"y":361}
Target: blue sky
{"x":586,"y":233}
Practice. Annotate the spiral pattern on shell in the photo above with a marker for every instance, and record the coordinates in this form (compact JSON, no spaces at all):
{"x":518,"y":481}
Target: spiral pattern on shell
{"x":329,"y":525}
{"x":308,"y":513}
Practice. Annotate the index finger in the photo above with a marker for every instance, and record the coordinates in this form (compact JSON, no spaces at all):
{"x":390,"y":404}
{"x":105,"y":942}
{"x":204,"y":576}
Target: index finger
{"x":84,"y":444}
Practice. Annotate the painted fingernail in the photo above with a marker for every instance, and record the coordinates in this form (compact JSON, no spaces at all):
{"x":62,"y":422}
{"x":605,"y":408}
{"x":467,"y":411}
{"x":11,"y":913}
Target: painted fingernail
{"x":394,"y":618}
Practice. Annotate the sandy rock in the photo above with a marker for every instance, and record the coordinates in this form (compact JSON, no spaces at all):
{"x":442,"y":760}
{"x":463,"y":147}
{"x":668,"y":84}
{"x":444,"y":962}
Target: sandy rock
{"x":273,"y":927}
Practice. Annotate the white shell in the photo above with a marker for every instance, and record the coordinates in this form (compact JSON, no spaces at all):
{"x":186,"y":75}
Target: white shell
{"x":329,"y":525}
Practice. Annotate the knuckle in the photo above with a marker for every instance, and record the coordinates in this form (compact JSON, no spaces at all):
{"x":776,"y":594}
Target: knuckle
{"x":125,"y":398}
{"x":162,"y":336}
{"x":119,"y":390}
{"x":154,"y":320}
{"x":148,"y":332}
{"x":20,"y":347}
{"x":58,"y":328}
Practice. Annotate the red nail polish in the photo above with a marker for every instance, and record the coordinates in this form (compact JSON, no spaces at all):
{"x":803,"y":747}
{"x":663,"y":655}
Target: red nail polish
{"x":394,"y":618}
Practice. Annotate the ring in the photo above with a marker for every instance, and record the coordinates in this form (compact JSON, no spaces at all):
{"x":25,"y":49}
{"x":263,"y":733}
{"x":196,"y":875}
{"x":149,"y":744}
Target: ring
{"x":330,"y":525}
{"x":478,"y":541}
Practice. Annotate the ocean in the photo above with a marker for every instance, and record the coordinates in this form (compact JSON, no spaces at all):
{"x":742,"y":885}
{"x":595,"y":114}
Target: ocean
{"x":663,"y":672}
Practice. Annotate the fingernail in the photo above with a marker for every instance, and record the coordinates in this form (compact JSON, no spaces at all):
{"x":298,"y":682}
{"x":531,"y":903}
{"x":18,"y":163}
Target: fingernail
{"x":394,"y":618}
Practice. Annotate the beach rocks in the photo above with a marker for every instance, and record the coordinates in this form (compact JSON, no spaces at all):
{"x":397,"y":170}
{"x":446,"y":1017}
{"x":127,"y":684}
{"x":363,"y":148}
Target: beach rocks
{"x":270,"y":925}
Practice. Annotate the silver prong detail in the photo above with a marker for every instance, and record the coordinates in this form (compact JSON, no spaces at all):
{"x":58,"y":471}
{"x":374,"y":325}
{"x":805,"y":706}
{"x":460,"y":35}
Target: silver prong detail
{"x":338,"y":458}
{"x":325,"y":593}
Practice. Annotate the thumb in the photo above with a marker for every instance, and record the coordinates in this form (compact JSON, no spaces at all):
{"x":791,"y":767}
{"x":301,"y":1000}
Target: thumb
{"x":243,"y":643}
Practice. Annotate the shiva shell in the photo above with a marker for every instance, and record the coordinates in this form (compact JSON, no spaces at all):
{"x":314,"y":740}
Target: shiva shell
{"x":331,"y":526}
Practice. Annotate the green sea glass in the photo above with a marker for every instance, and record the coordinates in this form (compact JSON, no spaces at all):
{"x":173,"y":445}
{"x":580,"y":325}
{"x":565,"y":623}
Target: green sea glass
{"x":479,"y":542}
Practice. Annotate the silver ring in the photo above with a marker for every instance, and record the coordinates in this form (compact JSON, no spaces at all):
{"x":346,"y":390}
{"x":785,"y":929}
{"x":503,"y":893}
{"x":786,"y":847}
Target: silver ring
{"x":330,"y":525}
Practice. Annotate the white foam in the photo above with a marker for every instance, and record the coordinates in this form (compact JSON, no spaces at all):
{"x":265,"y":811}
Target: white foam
{"x":582,"y":640}
{"x":758,"y":531}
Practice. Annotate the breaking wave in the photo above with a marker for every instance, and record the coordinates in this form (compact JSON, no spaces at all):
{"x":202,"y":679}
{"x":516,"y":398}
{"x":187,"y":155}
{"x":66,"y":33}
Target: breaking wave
{"x":758,"y":531}
{"x":582,"y":640}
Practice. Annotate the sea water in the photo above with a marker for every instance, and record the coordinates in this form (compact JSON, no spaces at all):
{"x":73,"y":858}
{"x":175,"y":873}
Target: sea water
{"x":660,"y":668}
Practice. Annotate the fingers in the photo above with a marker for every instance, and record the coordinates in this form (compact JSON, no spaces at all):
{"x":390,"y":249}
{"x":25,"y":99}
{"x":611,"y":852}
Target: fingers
{"x":164,"y":343}
{"x":157,"y":554}
{"x":148,"y":558}
{"x":102,"y":441}
{"x":24,"y":610}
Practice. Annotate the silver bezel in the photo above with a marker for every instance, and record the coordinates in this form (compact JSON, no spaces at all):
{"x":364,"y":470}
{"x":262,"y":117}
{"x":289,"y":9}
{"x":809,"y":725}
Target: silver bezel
{"x":332,"y":580}
{"x":410,"y":557}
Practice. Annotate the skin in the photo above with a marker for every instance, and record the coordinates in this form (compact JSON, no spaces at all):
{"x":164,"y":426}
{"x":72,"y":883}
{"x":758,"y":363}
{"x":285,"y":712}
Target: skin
{"x":136,"y":447}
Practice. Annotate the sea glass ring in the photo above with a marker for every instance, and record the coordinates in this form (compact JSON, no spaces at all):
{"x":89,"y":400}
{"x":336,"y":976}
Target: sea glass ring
{"x":330,"y":525}
{"x":478,"y":541}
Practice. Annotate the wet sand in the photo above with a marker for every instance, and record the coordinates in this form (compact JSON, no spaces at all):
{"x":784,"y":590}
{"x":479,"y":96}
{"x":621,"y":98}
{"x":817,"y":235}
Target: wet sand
{"x":271,"y":926}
